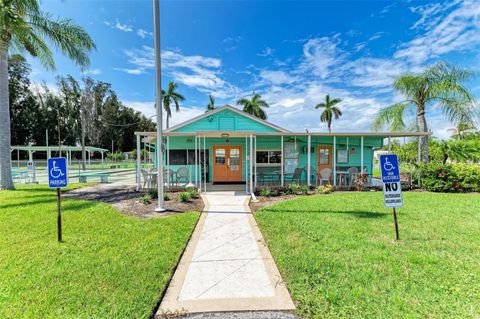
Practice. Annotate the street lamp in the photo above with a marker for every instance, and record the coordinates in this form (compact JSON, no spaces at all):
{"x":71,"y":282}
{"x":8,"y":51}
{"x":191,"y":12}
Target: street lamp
{"x":158,"y":102}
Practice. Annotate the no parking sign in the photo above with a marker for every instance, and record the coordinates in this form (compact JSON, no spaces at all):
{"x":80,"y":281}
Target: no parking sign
{"x":392,"y":188}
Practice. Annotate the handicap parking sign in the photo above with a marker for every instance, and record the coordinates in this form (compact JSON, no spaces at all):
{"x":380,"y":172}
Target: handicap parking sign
{"x":389,"y":167}
{"x":57,"y":172}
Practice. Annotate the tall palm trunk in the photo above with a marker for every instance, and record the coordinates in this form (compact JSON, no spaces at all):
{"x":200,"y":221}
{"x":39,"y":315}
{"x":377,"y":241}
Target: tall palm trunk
{"x":6,"y":181}
{"x":423,"y":127}
{"x":329,"y":127}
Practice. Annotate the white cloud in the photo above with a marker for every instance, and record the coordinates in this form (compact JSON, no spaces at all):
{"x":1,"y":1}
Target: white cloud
{"x":93,"y":72}
{"x":267,"y":51}
{"x":459,"y":30}
{"x":278,"y":77}
{"x":143,"y":33}
{"x":196,"y":71}
{"x":119,"y":26}
{"x":321,"y":55}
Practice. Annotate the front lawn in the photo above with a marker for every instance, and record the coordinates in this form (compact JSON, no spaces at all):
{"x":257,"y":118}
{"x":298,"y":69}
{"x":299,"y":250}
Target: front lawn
{"x":109,"y":266}
{"x":337,"y":254}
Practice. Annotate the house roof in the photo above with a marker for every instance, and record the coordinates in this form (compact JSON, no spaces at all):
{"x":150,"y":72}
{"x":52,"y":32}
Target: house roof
{"x":220,"y":109}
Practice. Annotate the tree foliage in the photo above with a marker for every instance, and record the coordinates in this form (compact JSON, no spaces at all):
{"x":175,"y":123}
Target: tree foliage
{"x":254,"y":106}
{"x":330,"y":111}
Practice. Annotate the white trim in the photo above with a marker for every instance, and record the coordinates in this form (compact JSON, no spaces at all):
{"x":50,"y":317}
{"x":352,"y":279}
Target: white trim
{"x":221,"y":108}
{"x":251,"y":164}
{"x":361,"y":156}
{"x":281,"y":162}
{"x":205,"y":163}
{"x":255,"y":161}
{"x":139,"y":176}
{"x":334,"y":161}
{"x":309,"y":145}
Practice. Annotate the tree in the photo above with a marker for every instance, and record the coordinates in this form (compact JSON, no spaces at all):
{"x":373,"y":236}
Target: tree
{"x":211,"y":103}
{"x":460,"y":129}
{"x":23,"y":27}
{"x":330,"y":111}
{"x":171,"y":96}
{"x":458,"y":151}
{"x":254,"y":106}
{"x":440,"y":84}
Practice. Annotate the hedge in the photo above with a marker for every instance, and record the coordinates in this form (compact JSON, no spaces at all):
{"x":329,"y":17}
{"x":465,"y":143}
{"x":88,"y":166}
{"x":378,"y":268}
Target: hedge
{"x":459,"y":177}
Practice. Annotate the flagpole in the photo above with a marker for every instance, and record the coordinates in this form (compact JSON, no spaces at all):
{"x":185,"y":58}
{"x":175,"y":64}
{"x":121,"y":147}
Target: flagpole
{"x":158,"y":102}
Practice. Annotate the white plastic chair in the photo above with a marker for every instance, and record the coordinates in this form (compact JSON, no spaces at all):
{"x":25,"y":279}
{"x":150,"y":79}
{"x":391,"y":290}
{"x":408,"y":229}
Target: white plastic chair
{"x":352,"y":174}
{"x":325,"y":175}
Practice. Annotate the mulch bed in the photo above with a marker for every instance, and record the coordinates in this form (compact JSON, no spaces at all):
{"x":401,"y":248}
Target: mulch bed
{"x":268,"y":201}
{"x":129,"y":201}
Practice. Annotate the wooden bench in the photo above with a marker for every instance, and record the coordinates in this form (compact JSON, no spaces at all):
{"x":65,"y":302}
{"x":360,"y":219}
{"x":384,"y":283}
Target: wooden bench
{"x":103,"y":177}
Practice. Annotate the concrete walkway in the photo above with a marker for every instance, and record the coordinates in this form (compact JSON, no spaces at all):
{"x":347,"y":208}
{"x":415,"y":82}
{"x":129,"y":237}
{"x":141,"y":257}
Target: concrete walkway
{"x":226,"y":266}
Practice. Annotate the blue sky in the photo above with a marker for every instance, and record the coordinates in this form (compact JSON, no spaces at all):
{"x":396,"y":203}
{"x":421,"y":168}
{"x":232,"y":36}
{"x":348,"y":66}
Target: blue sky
{"x":293,"y":53}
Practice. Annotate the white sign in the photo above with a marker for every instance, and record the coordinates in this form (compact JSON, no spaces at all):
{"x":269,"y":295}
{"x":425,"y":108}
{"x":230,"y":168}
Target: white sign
{"x":392,"y":194}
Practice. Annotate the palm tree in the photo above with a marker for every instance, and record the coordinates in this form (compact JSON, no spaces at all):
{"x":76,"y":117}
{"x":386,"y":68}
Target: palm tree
{"x":254,"y":106}
{"x":329,"y":111}
{"x":440,"y":84}
{"x":460,"y":129}
{"x":458,"y":151}
{"x":171,"y":96}
{"x":24,"y":27}
{"x":211,"y":103}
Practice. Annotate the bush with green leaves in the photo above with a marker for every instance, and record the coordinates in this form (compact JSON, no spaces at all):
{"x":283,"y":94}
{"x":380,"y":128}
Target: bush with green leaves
{"x":325,"y":189}
{"x":184,"y":197}
{"x":146,"y":199}
{"x":193,"y":193}
{"x":298,"y":189}
{"x":459,"y":177}
{"x":153,"y":192}
{"x":265,"y":192}
{"x":166,"y":197}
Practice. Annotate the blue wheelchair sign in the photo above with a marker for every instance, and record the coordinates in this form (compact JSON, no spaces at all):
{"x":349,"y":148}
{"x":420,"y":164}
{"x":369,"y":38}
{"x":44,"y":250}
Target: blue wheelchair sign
{"x":57,"y":172}
{"x":389,"y":167}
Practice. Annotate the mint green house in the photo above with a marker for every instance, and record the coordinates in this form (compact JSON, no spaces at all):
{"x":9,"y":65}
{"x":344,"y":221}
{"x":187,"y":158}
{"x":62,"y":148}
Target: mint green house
{"x":229,"y":146}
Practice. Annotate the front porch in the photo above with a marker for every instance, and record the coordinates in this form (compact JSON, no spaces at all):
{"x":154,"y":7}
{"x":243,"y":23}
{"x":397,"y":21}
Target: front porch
{"x":215,"y":160}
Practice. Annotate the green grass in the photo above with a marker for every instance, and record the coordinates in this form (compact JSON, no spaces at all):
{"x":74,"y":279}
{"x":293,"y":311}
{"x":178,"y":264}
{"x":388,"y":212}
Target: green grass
{"x":337,"y":254}
{"x":109,"y":265}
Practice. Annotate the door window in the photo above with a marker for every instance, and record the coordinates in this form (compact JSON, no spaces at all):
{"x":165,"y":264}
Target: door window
{"x":324,"y":156}
{"x":234,"y":159}
{"x":220,"y":156}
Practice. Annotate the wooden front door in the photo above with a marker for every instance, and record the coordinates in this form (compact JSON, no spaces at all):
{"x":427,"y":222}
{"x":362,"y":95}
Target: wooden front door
{"x":324,"y":157}
{"x":227,"y":163}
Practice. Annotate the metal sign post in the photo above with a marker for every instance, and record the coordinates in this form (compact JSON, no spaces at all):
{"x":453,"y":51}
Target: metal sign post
{"x":392,"y":188}
{"x":58,"y":178}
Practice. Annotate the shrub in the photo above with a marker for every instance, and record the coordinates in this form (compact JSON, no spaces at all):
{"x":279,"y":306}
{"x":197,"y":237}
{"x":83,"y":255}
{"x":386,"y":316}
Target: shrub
{"x":193,"y":193}
{"x":437,"y":177}
{"x":153,"y":192}
{"x":146,"y":199}
{"x":265,"y":192}
{"x":184,"y":197}
{"x":274,"y":192}
{"x":298,"y":189}
{"x":324,"y":189}
{"x":166,"y":197}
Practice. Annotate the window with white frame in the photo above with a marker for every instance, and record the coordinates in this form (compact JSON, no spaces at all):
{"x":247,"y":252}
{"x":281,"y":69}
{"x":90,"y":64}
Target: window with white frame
{"x":269,"y":157}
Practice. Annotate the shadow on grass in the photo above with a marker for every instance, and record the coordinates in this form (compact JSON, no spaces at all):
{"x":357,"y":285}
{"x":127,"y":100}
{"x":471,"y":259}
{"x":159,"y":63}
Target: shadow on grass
{"x":66,"y":204}
{"x":358,"y":214}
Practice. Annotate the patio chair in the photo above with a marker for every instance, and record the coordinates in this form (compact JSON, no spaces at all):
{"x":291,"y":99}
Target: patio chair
{"x":296,"y":177}
{"x":147,"y":178}
{"x":168,"y":176}
{"x":325,"y":175}
{"x":352,"y":175}
{"x":182,"y":175}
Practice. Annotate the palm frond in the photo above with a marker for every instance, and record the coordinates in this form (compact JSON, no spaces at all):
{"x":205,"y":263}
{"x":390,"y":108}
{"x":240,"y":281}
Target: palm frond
{"x":391,"y":117}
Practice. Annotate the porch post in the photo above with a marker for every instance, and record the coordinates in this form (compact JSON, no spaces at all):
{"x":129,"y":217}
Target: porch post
{"x":251,"y":164}
{"x":168,"y":160}
{"x":139,"y":177}
{"x":205,"y":163}
{"x":308,"y":159}
{"x":361,"y":155}
{"x":281,"y":161}
{"x":334,"y":161}
{"x":101,"y":153}
{"x":196,"y":173}
{"x":89,"y":157}
{"x":255,"y":160}
{"x":389,"y":145}
{"x":246,"y":166}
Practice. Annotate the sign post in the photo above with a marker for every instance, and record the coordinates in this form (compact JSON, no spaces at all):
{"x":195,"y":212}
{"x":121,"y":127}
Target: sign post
{"x":57,"y":179}
{"x":392,"y":188}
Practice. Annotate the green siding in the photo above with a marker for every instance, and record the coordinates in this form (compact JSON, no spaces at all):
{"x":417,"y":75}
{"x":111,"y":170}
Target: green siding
{"x":226,"y":120}
{"x":271,"y":142}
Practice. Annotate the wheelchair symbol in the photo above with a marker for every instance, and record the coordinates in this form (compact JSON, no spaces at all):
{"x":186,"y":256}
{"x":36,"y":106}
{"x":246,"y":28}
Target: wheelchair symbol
{"x":387,"y":165}
{"x":56,"y":172}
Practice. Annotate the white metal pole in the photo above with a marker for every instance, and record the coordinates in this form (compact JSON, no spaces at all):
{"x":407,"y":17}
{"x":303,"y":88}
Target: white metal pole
{"x":361,"y":156}
{"x":281,"y":161}
{"x":139,"y":176}
{"x":205,"y":164}
{"x":389,"y":145}
{"x":196,"y":174}
{"x":246,"y":166}
{"x":158,"y":100}
{"x":251,"y":164}
{"x":255,"y":160}
{"x":309,"y":145}
{"x":168,"y":161}
{"x":334,"y":161}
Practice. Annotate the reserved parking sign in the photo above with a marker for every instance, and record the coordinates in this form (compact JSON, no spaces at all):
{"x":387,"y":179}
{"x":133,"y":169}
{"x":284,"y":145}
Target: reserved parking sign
{"x":57,"y":172}
{"x":392,"y":188}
